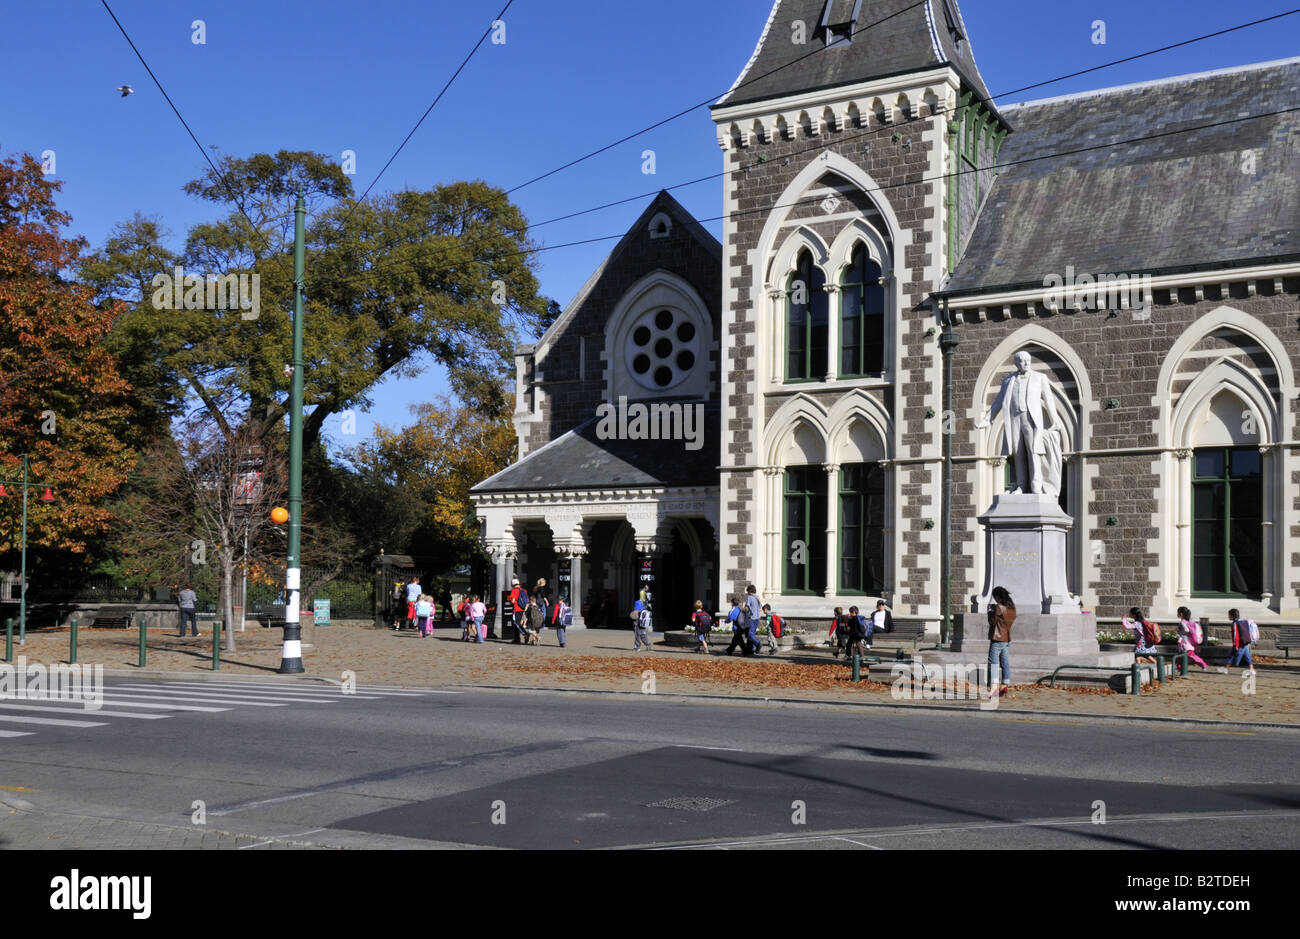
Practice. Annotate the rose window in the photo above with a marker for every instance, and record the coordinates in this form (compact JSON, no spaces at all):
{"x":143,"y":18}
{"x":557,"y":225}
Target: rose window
{"x":662,"y":349}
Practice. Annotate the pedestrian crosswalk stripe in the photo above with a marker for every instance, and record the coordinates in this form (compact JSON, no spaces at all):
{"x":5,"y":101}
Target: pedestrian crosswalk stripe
{"x":203,"y":699}
{"x":15,"y":733}
{"x":120,"y":701}
{"x":53,"y":721}
{"x":79,"y":706}
{"x":222,"y":695}
{"x":321,"y":695}
{"x":326,"y":689}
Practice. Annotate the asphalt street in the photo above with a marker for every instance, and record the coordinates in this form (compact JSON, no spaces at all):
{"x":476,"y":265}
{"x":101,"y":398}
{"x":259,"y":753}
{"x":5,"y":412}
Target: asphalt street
{"x":278,"y":761}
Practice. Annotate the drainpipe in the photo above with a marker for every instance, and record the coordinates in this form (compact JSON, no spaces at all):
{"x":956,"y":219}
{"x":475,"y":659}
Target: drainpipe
{"x":947,"y":345}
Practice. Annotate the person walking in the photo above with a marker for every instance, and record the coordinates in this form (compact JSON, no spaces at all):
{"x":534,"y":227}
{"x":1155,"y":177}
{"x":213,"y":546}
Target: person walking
{"x":753,"y":616}
{"x":188,"y":600}
{"x":739,"y":634}
{"x":1189,"y":636}
{"x":641,"y":627}
{"x":1241,"y":640}
{"x":518,"y":607}
{"x":413,"y":594}
{"x":839,"y":631}
{"x":424,"y":615}
{"x":561,"y":619}
{"x":703,"y":623}
{"x":1002,"y":613}
{"x":478,"y":613}
{"x":1148,"y":636}
{"x":775,"y":626}
{"x":542,"y":597}
{"x":399,"y":604}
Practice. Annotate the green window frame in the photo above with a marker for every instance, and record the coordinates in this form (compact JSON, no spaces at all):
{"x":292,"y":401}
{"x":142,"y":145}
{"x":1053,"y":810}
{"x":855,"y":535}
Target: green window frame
{"x":862,"y":529}
{"x":805,"y":521}
{"x":807,"y":332}
{"x":1227,"y":522}
{"x":862,"y":317}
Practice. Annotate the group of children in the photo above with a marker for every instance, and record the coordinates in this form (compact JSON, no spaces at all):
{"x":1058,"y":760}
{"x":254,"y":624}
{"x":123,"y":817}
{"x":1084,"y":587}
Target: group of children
{"x":745,"y":619}
{"x":473,"y":614}
{"x":1191,"y":636}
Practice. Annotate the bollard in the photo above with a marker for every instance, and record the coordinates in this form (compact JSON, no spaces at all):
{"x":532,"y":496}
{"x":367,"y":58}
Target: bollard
{"x":72,"y":648}
{"x":216,"y":645}
{"x":1137,"y":680}
{"x":9,"y":639}
{"x":857,"y":667}
{"x":143,"y":626}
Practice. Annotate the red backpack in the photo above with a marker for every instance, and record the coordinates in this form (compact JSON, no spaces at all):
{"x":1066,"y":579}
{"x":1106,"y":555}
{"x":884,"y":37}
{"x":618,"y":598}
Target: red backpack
{"x":777,"y":625}
{"x":1151,"y":632}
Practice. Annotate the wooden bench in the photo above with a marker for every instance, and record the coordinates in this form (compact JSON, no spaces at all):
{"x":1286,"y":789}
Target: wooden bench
{"x":1288,"y":638}
{"x":113,"y":617}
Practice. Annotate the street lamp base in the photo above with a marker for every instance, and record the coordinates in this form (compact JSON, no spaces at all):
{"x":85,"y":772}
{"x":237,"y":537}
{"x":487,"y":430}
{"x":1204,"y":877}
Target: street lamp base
{"x":291,"y":657}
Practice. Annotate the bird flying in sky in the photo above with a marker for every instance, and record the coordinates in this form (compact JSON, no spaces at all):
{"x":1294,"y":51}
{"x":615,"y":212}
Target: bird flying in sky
{"x":125,"y":89}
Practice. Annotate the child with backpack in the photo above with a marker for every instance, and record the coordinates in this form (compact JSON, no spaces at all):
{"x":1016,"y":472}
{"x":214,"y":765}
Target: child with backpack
{"x":518,"y":609}
{"x":1189,"y":636}
{"x":1148,"y":635}
{"x":561,"y":618}
{"x":424,"y":615}
{"x":703,"y":623}
{"x":775,"y":627}
{"x":840,"y":631}
{"x":739,"y":631}
{"x":1244,"y":632}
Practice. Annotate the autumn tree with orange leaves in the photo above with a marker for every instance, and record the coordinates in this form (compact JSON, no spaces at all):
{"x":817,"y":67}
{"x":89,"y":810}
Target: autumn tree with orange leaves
{"x":62,"y":399}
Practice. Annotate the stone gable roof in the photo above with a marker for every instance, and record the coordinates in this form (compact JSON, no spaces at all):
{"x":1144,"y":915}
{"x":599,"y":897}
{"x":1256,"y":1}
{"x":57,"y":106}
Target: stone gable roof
{"x":580,"y":460}
{"x":1173,"y":202}
{"x":889,"y":37}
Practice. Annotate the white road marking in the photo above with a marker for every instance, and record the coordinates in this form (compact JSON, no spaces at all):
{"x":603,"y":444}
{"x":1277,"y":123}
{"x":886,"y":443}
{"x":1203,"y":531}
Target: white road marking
{"x":120,"y":701}
{"x":203,"y":687}
{"x":78,"y":707}
{"x":175,"y":696}
{"x":15,"y":733}
{"x":52,"y":721}
{"x":692,"y":746}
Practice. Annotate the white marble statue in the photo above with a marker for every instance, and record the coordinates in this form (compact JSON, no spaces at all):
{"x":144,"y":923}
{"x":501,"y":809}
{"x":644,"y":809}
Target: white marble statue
{"x":1033,"y":429}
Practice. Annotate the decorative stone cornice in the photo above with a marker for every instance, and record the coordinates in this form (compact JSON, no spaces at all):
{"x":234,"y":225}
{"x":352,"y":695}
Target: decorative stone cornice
{"x":836,"y":110}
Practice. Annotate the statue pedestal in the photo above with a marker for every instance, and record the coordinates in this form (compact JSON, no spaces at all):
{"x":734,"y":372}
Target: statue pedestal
{"x":1024,"y":541}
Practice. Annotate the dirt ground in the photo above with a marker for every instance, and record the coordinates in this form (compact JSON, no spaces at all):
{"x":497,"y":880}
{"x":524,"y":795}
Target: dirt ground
{"x":603,"y":660}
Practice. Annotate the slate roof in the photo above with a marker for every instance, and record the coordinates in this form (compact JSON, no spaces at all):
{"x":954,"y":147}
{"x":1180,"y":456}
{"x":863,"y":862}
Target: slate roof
{"x":580,"y":460}
{"x":1173,"y":202}
{"x":888,"y":39}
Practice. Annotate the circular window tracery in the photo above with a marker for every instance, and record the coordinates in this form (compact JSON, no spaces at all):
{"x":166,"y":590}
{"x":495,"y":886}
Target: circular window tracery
{"x":663,"y":349}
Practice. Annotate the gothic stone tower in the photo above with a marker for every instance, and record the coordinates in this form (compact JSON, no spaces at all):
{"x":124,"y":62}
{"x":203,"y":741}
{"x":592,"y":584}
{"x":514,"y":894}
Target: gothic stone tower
{"x":858,"y":142}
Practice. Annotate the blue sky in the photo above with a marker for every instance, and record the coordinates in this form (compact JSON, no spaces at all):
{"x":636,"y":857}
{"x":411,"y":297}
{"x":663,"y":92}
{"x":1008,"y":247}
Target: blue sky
{"x":572,"y":76}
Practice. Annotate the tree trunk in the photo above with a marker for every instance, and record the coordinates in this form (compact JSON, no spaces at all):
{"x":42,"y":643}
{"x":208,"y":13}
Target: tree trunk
{"x":228,"y":595}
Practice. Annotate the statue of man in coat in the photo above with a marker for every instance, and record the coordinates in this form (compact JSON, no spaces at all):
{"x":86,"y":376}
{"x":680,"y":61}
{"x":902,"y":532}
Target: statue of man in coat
{"x":1033,"y":429}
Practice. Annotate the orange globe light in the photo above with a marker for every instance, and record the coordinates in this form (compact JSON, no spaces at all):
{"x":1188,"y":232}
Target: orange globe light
{"x":279,"y":515}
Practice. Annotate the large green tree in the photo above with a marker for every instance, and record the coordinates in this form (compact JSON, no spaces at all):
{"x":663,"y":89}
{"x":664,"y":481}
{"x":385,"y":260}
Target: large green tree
{"x":444,"y":275}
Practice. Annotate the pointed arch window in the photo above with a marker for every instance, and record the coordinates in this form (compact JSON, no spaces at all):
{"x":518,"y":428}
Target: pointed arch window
{"x":1227,"y":522}
{"x":807,"y":318}
{"x":862,"y":317}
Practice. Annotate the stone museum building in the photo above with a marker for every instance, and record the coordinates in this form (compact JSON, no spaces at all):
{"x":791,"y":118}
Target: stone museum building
{"x":893,"y":238}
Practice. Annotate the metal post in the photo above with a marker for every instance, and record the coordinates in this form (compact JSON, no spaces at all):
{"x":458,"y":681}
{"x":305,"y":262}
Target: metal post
{"x":72,"y":648}
{"x":857,"y":667}
{"x":143,"y":626}
{"x":291,"y":657}
{"x":947,"y":345}
{"x":9,"y":639}
{"x":243,"y":588}
{"x":216,"y":644}
{"x":22,"y":586}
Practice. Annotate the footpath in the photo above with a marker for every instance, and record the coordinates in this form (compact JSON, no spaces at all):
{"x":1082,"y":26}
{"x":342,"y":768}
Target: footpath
{"x":602,"y":661}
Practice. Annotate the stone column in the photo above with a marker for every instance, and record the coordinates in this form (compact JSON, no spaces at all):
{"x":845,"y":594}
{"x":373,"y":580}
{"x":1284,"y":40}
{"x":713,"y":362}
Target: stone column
{"x":832,"y":331}
{"x":893,"y":551}
{"x":773,"y":549}
{"x":576,"y":553}
{"x":1267,"y":536}
{"x":832,"y":529}
{"x":1183,"y":523}
{"x":774,"y":370}
{"x":503,"y":552}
